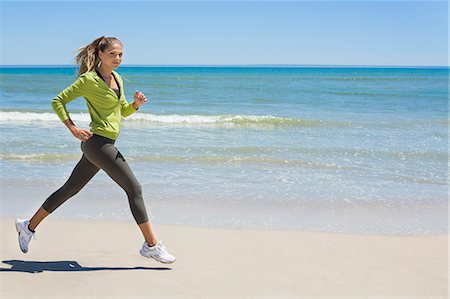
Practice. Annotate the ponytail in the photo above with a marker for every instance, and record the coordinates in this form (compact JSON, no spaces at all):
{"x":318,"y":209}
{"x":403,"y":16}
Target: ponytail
{"x":88,"y":56}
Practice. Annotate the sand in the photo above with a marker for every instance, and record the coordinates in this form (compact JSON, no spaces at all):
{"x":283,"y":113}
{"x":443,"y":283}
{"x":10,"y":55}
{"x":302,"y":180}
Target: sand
{"x":87,"y":259}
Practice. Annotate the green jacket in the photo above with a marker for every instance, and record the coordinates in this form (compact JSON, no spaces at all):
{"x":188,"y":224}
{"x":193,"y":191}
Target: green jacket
{"x":103,"y":104}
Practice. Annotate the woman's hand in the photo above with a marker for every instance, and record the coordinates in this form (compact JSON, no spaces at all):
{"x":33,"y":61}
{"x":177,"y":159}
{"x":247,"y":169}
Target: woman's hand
{"x":139,"y":99}
{"x":81,"y":134}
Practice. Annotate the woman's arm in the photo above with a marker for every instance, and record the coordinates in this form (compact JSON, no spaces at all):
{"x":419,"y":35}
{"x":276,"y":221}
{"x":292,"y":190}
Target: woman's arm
{"x":130,"y":108}
{"x":72,"y":92}
{"x":59,"y":106}
{"x":79,"y":133}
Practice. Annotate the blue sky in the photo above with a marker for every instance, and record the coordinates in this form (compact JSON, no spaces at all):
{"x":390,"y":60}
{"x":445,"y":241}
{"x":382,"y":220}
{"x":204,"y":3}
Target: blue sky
{"x":230,"y":33}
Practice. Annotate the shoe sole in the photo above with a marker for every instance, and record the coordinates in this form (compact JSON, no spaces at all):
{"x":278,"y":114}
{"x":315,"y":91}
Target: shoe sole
{"x":17,"y":229}
{"x":140,"y":252}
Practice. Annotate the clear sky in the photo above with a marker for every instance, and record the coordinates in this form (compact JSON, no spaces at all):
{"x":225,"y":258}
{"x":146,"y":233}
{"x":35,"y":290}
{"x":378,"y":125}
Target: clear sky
{"x":236,"y":33}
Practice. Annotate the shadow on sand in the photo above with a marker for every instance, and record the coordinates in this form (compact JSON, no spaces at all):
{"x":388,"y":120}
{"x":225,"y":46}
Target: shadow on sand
{"x":69,"y":266}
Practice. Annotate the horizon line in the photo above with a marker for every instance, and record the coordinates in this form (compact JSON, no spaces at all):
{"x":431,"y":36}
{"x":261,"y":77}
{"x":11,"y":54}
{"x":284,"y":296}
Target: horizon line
{"x":236,"y":65}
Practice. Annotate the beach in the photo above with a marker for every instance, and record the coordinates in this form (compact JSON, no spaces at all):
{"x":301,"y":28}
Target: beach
{"x":100,"y":259}
{"x":264,"y":182}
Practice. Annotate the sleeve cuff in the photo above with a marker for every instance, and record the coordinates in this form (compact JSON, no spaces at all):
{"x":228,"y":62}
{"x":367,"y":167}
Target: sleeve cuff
{"x":128,"y":110}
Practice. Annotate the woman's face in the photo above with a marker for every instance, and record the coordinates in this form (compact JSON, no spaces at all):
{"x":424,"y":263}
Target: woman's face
{"x":112,"y":56}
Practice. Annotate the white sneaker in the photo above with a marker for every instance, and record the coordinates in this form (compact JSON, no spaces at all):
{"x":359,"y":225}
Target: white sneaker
{"x":158,"y":252}
{"x":24,"y":234}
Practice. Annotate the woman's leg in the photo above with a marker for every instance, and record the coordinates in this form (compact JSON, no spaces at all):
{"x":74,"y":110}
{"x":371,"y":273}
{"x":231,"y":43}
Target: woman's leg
{"x":37,"y":218}
{"x":81,"y":175}
{"x":106,"y":156}
{"x":148,"y":233}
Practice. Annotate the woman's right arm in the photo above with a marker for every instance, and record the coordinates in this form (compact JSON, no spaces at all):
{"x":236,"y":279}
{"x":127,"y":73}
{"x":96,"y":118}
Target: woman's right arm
{"x":72,"y":92}
{"x":79,"y":133}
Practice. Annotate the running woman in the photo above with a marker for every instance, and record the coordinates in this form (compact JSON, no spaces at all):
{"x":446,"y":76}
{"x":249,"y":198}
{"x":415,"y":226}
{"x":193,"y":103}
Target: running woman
{"x":102,"y":88}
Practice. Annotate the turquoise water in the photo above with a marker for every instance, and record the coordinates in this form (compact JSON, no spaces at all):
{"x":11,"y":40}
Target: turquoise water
{"x":330,"y":149}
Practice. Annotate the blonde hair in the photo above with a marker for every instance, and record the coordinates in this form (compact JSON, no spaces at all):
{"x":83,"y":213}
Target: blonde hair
{"x":88,"y":57}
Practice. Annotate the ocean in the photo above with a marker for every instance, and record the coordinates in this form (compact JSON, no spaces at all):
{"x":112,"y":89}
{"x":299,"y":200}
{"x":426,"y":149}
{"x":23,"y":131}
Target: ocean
{"x":349,"y":150}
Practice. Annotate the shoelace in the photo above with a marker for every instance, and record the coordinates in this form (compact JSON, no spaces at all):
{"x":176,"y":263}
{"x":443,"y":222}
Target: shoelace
{"x":160,"y":248}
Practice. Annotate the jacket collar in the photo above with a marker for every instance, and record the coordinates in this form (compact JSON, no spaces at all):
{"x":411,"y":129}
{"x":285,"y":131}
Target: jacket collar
{"x":103,"y":83}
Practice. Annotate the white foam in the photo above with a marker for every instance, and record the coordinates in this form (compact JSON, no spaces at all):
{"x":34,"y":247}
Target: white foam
{"x":206,"y":119}
{"x":175,"y":118}
{"x":17,"y":116}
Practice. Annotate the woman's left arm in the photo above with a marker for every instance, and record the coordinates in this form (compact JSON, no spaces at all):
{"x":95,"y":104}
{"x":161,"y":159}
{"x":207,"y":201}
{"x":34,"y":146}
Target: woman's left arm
{"x":130,"y":108}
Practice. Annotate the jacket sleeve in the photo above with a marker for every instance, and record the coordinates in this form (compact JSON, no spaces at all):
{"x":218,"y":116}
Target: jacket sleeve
{"x":72,"y":92}
{"x":127,"y":108}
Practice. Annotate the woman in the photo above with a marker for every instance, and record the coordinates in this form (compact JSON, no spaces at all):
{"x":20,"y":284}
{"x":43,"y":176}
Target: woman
{"x":102,"y":88}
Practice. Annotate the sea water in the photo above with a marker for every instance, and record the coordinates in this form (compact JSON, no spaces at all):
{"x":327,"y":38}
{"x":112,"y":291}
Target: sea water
{"x":354,"y":150}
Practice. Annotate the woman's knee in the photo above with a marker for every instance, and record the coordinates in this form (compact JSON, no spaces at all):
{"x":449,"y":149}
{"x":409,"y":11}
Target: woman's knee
{"x":135,"y":190}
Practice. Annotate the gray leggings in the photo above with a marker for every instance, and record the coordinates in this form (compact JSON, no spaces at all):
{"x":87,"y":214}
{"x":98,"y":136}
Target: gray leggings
{"x":100,"y":153}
